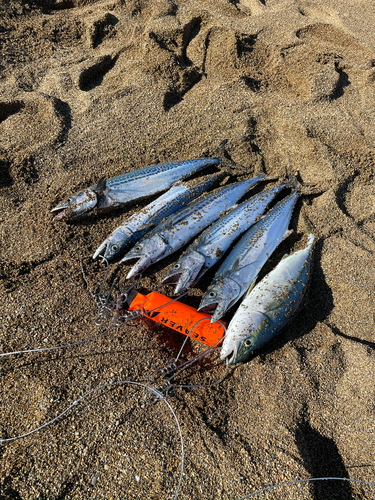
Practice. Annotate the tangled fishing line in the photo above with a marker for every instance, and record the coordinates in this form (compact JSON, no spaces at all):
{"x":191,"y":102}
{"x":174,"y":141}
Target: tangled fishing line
{"x":108,"y":314}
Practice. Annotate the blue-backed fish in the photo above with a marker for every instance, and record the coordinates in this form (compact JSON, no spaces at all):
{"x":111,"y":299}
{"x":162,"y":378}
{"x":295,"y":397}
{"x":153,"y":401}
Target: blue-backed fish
{"x":240,"y":269}
{"x":113,"y":193}
{"x":182,"y":226}
{"x":152,"y":214}
{"x":268,"y":307}
{"x":212,"y":244}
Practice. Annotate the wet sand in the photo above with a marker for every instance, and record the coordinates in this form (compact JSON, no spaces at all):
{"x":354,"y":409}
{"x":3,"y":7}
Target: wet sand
{"x":98,"y":88}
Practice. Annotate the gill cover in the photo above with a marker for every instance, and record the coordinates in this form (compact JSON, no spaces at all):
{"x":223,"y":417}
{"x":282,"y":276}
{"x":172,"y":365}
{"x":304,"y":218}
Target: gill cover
{"x":82,"y":203}
{"x":146,"y":252}
{"x":115,"y":244}
{"x":260,"y":322}
{"x":220,"y":297}
{"x":186,"y":272}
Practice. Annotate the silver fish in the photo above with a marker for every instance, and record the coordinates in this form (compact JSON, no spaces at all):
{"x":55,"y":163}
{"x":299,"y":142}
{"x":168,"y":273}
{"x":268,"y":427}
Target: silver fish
{"x":268,"y":307}
{"x":240,"y":269}
{"x":211,"y":245}
{"x":182,"y":226}
{"x":116,"y":192}
{"x":141,"y":222}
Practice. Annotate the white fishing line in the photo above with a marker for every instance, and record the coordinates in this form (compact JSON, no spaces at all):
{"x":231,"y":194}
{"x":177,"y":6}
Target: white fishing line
{"x":44,"y":349}
{"x":297,"y":481}
{"x":115,"y":322}
{"x":157,"y":394}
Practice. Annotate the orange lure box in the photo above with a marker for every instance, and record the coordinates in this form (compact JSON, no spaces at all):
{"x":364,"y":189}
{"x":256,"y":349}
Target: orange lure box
{"x":176,"y":315}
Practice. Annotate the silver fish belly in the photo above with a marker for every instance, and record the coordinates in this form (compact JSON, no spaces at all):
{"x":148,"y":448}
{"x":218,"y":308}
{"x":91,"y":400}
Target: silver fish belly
{"x":181,"y":227}
{"x":241,"y":268}
{"x":120,"y":190}
{"x":141,"y":222}
{"x":268,"y":307}
{"x":211,"y":245}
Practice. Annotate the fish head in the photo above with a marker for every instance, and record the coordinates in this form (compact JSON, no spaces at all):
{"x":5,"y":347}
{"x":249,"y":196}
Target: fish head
{"x":237,"y":347}
{"x":221,"y":295}
{"x":146,"y":252}
{"x":186,"y":272}
{"x":77,"y":205}
{"x":115,"y":244}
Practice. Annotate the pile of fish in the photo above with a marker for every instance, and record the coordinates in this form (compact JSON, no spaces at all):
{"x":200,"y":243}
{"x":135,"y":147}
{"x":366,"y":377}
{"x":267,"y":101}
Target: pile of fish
{"x":188,"y":210}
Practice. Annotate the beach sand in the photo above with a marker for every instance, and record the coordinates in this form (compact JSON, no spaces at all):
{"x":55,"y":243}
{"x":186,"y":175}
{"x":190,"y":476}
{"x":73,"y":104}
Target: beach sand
{"x":98,"y":88}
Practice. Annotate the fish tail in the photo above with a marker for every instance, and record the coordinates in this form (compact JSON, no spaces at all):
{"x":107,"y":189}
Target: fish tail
{"x":310,"y":227}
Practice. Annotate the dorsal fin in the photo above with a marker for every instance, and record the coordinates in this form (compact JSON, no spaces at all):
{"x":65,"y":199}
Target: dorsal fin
{"x":101,"y":185}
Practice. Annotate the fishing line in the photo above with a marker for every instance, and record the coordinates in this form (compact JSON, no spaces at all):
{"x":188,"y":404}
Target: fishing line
{"x":166,"y":388}
{"x":306,"y":481}
{"x":112,"y":325}
{"x":100,"y":299}
{"x":171,"y":365}
{"x":43,"y":349}
{"x":191,"y":330}
{"x":92,"y":391}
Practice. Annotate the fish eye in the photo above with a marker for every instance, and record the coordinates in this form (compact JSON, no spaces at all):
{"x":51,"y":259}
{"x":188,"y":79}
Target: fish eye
{"x":114,"y":248}
{"x":138,"y":248}
{"x":212,"y":295}
{"x":248,"y":342}
{"x":177,"y":266}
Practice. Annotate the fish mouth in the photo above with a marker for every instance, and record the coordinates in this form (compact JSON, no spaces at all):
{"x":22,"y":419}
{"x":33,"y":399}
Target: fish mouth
{"x":63,"y":209}
{"x":221,"y":308}
{"x":115,"y":245}
{"x":229,"y":356}
{"x":180,"y":278}
{"x":101,"y":250}
{"x":187,"y":271}
{"x":145,"y":253}
{"x":218,"y":307}
{"x":140,"y":264}
{"x":173,"y":278}
{"x":208,"y":308}
{"x":185,"y":281}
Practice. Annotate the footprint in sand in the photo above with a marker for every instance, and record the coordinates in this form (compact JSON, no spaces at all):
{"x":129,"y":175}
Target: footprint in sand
{"x":92,"y":76}
{"x":33,"y":122}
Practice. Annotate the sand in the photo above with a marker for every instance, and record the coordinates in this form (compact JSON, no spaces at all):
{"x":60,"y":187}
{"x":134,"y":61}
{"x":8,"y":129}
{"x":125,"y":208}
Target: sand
{"x":98,"y":88}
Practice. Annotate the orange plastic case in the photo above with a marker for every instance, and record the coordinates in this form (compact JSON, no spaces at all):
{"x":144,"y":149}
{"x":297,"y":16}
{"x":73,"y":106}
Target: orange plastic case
{"x":176,"y":315}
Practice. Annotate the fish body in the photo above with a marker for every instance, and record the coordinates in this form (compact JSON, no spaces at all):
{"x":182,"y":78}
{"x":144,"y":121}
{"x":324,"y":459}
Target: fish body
{"x":240,"y":269}
{"x":141,"y":222}
{"x":268,"y":307}
{"x":211,"y":245}
{"x":182,"y":226}
{"x":118,"y":191}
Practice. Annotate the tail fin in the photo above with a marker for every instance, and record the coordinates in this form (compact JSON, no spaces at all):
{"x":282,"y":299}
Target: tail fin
{"x":310,"y":228}
{"x":223,"y":156}
{"x":295,"y":183}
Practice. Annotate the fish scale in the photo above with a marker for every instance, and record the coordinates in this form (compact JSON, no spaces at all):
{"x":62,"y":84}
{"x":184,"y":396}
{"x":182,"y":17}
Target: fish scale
{"x":154,"y":172}
{"x":143,"y":221}
{"x":209,"y":247}
{"x":242,"y":266}
{"x":109,"y":194}
{"x":268,"y":307}
{"x":182,"y":226}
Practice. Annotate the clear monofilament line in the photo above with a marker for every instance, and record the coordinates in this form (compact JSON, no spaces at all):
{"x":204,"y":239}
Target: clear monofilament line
{"x":179,"y":369}
{"x":297,"y":481}
{"x":92,"y":391}
{"x":191,"y":331}
{"x":45,"y":349}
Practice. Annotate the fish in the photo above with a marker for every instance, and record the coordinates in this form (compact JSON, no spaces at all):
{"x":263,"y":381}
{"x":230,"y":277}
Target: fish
{"x":240,"y":269}
{"x":109,"y":194}
{"x":184,"y":225}
{"x":151,"y":215}
{"x":212,"y":244}
{"x":268,"y":307}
